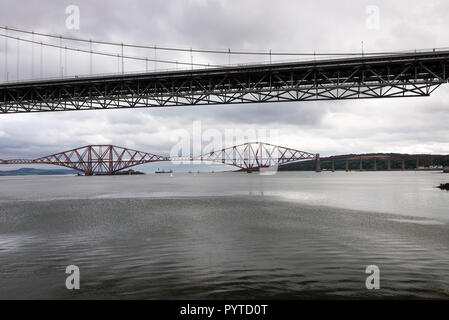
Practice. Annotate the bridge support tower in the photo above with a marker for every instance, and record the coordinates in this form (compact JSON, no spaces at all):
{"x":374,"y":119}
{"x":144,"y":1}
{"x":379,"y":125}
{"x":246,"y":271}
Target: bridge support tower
{"x":317,"y":163}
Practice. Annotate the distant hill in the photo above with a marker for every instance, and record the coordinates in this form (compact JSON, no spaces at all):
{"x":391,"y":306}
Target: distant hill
{"x":33,"y":171}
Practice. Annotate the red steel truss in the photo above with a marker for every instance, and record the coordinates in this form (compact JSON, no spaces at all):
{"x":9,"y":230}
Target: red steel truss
{"x":109,"y":159}
{"x":254,"y":155}
{"x":94,"y":159}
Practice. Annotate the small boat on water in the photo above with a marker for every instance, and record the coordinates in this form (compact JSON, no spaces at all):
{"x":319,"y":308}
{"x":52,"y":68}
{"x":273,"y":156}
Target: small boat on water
{"x":163,"y":171}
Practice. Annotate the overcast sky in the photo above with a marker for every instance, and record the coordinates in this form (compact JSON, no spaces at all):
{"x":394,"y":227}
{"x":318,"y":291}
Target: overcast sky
{"x":411,"y":125}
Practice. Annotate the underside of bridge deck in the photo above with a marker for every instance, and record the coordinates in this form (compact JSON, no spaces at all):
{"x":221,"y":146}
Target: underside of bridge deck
{"x":398,"y":75}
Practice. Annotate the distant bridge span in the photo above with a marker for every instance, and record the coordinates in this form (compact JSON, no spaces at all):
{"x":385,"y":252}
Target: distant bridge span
{"x":110,"y":159}
{"x":389,"y":158}
{"x":378,"y":76}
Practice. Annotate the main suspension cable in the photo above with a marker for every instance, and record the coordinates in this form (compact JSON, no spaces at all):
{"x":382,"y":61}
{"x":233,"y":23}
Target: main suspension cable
{"x":102,"y":53}
{"x":226,"y":52}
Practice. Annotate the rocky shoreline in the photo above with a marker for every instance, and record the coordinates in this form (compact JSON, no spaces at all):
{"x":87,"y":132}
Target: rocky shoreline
{"x":444,"y":186}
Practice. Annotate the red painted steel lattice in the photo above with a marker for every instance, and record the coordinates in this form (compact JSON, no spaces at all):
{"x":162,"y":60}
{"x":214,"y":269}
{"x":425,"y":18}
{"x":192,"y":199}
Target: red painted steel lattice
{"x":109,"y":159}
{"x":254,"y":155}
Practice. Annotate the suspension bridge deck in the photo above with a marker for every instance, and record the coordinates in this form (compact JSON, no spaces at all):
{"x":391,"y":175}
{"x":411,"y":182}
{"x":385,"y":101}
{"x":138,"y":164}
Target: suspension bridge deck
{"x":381,"y":76}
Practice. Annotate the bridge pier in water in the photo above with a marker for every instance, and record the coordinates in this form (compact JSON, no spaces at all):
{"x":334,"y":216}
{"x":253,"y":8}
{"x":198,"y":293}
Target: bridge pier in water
{"x":361,"y":164}
{"x":389,"y":165}
{"x":375,"y":165}
{"x":317,"y":163}
{"x":347,"y":165}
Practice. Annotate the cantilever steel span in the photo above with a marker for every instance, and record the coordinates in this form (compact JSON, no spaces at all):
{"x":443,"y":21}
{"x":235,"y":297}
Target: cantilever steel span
{"x":382,"y":76}
{"x":109,"y":159}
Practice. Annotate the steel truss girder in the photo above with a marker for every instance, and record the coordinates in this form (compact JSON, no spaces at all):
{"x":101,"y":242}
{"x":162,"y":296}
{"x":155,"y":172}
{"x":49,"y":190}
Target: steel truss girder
{"x":99,"y":159}
{"x":338,"y":79}
{"x":109,"y":159}
{"x":254,"y":155}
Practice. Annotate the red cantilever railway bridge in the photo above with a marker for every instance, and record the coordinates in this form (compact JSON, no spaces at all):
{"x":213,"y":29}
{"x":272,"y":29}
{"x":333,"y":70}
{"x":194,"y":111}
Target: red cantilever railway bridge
{"x":110,"y":159}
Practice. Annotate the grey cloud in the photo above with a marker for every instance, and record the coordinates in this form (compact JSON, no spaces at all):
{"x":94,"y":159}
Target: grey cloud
{"x":325,"y":127}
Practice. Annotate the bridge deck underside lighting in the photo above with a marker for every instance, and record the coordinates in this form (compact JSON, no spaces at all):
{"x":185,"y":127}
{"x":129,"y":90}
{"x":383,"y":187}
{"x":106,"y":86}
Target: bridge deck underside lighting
{"x":399,"y":75}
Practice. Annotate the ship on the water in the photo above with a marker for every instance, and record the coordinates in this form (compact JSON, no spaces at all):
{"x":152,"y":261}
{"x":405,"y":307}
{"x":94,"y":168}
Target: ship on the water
{"x":163,"y":171}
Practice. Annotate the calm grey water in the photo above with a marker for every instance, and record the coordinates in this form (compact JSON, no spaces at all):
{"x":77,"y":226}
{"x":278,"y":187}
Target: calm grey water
{"x":225,"y":235}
